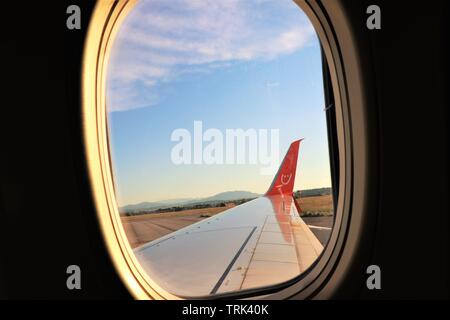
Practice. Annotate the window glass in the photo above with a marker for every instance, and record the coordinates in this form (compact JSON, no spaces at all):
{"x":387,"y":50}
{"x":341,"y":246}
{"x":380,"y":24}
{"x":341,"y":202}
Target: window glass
{"x":207,"y":103}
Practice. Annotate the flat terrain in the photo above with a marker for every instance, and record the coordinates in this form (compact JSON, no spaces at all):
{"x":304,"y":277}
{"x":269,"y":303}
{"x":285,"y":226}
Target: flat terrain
{"x":320,"y":226}
{"x":143,"y":228}
{"x":147,"y":227}
{"x":317,"y":214}
{"x":322,"y":204}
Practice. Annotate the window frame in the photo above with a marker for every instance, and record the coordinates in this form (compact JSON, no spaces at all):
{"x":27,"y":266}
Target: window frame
{"x":315,"y":282}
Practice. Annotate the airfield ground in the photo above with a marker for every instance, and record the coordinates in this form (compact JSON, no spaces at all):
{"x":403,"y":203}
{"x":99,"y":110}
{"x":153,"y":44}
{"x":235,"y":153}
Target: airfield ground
{"x":143,"y":228}
{"x":147,"y":227}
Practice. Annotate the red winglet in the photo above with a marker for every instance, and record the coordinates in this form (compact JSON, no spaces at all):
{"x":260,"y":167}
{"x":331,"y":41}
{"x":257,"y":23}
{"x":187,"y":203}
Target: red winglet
{"x":283,"y":183}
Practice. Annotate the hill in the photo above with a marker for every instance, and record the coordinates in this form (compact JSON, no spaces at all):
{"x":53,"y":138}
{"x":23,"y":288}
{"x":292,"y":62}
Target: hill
{"x":212,"y":200}
{"x":220,"y":197}
{"x":232,"y":195}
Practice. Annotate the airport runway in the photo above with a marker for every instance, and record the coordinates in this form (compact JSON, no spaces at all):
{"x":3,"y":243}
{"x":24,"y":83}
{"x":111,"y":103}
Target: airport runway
{"x":146,"y":228}
{"x":321,"y":227}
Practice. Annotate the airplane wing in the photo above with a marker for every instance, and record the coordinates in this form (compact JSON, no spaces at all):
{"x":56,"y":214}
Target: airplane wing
{"x":259,"y":243}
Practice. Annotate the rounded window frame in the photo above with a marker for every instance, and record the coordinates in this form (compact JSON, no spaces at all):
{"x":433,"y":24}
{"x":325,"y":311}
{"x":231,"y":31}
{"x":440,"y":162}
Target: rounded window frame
{"x":105,"y":22}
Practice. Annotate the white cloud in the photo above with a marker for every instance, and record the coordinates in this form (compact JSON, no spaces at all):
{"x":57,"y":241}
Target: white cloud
{"x":161,"y":40}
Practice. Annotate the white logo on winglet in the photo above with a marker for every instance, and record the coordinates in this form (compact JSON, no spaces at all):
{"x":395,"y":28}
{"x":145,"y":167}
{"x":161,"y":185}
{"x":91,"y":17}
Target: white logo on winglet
{"x":285,"y":178}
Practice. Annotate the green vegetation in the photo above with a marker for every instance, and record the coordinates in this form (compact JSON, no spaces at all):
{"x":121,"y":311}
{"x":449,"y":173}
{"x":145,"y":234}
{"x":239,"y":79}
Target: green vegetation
{"x":314,"y":202}
{"x":195,"y":206}
{"x":312,"y":193}
{"x":311,"y":214}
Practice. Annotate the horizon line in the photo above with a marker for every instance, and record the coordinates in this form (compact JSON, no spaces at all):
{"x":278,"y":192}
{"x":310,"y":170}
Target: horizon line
{"x":203,"y":197}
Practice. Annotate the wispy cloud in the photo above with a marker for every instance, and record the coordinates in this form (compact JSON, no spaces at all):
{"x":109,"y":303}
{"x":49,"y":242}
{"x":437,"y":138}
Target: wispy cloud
{"x":161,"y":40}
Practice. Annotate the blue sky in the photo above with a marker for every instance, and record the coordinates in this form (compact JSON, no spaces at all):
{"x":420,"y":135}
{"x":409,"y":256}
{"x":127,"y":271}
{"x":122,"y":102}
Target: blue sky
{"x":230,"y":64}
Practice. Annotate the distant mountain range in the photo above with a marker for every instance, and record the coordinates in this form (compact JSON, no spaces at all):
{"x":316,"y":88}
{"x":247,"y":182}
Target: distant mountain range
{"x":232,"y":195}
{"x":220,"y":197}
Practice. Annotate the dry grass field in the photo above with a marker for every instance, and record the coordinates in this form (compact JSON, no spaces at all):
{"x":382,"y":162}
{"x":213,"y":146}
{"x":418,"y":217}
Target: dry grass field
{"x":143,"y":228}
{"x":321,"y":205}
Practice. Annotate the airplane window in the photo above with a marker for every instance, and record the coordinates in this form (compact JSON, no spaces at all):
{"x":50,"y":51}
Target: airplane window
{"x":219,"y":144}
